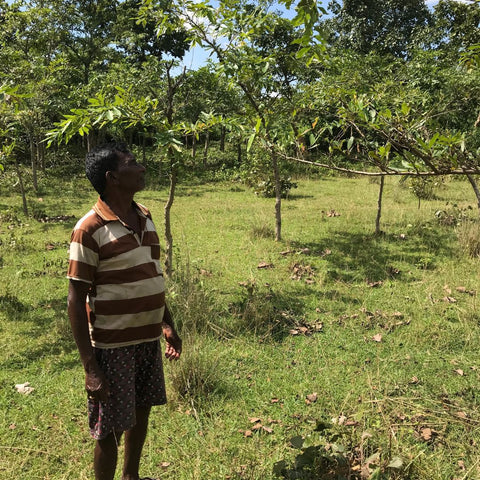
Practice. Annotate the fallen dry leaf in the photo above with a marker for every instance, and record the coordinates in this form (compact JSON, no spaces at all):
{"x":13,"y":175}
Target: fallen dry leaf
{"x":377,"y":337}
{"x":24,"y":388}
{"x":165,"y":464}
{"x":427,"y":434}
{"x":265,"y":265}
{"x":341,"y":419}
{"x":271,"y":420}
{"x":332,"y":213}
{"x":460,"y":372}
{"x":311,"y":398}
{"x":300,"y":271}
{"x":464,"y":290}
{"x":267,"y":429}
{"x":375,"y":284}
{"x":449,"y":299}
{"x":254,"y":419}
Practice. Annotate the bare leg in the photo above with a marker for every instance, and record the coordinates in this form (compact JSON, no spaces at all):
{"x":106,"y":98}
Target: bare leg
{"x":105,"y":457}
{"x":134,"y":440}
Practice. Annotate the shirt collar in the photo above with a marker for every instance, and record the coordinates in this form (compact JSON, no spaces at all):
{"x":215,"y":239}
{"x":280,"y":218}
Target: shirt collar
{"x":107,"y":214}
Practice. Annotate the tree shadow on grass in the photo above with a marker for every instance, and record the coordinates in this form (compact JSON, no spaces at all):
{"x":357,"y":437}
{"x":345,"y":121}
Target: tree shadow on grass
{"x":297,"y":196}
{"x":273,"y":315}
{"x":13,"y":307}
{"x":48,"y":315}
{"x":354,"y":257}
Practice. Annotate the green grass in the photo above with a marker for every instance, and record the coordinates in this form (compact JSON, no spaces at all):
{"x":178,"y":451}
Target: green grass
{"x":331,"y":281}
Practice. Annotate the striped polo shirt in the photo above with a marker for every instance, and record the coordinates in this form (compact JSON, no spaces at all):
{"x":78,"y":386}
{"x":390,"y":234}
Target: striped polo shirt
{"x":126,"y":300}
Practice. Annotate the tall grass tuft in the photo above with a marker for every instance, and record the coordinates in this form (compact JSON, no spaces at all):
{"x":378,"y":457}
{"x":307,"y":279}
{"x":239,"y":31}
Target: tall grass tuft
{"x":196,"y":377}
{"x":262,"y":231}
{"x":469,"y":238}
{"x":191,"y":305}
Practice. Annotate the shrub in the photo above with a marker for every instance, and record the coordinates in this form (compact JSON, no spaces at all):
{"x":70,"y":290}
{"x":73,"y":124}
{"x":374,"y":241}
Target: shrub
{"x":266,"y":188}
{"x":453,"y":215}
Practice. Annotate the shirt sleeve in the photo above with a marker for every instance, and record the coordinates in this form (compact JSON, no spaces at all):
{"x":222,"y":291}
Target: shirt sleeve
{"x":83,"y":261}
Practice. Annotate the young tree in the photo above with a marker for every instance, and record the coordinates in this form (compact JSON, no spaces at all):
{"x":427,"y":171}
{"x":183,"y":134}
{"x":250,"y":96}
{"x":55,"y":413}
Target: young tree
{"x":233,"y":32}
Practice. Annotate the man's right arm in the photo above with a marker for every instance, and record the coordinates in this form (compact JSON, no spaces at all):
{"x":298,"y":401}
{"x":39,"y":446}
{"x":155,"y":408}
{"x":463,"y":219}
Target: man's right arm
{"x":95,"y":382}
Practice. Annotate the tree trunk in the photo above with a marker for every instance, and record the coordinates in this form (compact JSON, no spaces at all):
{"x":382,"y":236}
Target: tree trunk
{"x":168,"y":229}
{"x":194,"y":146}
{"x":379,"y":206}
{"x":222,"y":139}
{"x":205,"y":149}
{"x":144,"y":149}
{"x":41,"y":155}
{"x":22,"y":187}
{"x":474,"y":185}
{"x":278,"y":198}
{"x":89,"y":141}
{"x":33,"y":158}
{"x":172,"y":88}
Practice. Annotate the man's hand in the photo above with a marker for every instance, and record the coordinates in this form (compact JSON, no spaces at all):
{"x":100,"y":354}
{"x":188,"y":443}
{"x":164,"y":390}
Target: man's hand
{"x":96,"y":385}
{"x":173,"y":348}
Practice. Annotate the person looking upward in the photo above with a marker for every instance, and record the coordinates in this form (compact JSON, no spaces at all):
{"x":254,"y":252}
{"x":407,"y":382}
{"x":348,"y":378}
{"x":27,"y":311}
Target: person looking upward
{"x":117,"y":310}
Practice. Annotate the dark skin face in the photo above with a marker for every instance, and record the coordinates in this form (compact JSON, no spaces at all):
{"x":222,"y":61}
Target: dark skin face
{"x":122,"y":184}
{"x":129,"y":177}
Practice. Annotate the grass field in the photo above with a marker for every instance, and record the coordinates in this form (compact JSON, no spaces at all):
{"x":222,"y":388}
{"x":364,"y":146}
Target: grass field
{"x":334,"y":354}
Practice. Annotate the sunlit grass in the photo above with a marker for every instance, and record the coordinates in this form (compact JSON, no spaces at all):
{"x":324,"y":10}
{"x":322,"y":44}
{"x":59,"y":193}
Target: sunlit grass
{"x":383,"y":328}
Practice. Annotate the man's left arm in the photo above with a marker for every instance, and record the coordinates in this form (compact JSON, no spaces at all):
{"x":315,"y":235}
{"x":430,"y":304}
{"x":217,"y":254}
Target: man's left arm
{"x":173,"y":348}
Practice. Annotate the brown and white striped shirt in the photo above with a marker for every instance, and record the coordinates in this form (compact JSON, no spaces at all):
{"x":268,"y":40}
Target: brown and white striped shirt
{"x":126,"y":300}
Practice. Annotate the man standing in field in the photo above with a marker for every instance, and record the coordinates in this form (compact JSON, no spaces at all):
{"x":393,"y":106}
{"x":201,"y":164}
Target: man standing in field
{"x":117,"y":310}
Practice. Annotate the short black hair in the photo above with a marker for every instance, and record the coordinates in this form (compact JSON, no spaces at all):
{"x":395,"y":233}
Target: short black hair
{"x":101,"y":160}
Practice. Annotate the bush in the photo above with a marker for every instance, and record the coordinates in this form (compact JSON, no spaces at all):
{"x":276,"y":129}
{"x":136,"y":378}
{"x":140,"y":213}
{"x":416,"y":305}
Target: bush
{"x":266,"y":188}
{"x":257,"y":174}
{"x":453,"y":215}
